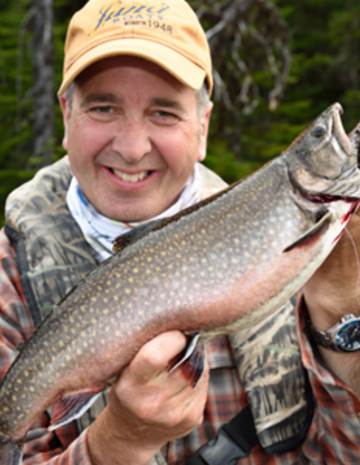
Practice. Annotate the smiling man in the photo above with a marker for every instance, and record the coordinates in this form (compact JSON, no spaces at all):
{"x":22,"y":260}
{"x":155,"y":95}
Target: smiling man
{"x":135,"y":101}
{"x":133,"y":137}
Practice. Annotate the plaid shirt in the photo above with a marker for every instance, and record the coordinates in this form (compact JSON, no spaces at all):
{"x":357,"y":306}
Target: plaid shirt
{"x":333,"y":437}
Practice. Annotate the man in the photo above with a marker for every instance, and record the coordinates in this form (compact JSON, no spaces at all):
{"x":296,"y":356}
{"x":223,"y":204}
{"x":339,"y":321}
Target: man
{"x":136,"y":111}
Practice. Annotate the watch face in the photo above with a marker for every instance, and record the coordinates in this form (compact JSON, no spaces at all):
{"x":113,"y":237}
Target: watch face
{"x":348,"y":336}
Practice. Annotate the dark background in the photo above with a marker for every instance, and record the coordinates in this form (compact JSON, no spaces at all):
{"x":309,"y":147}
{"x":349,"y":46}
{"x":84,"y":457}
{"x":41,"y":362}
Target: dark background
{"x":278,"y":64}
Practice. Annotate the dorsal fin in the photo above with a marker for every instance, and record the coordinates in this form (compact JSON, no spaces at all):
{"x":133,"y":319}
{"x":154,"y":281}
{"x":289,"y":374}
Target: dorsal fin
{"x":20,"y":346}
{"x":137,"y":233}
{"x":128,"y":238}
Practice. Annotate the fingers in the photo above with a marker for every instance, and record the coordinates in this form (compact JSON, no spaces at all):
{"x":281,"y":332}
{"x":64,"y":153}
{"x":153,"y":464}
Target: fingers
{"x":148,"y":405}
{"x":153,"y":358}
{"x":152,"y":396}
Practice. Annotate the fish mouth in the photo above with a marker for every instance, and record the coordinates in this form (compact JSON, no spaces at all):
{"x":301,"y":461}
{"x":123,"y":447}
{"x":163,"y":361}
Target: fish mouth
{"x":315,"y":205}
{"x":339,"y":132}
{"x":321,"y":197}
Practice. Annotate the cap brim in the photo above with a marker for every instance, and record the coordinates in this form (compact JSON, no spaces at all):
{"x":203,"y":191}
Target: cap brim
{"x":181,"y":68}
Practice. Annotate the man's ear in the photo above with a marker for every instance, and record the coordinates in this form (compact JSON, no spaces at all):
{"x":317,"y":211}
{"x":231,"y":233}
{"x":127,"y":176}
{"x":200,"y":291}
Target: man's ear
{"x":204,"y":130}
{"x":66,"y":111}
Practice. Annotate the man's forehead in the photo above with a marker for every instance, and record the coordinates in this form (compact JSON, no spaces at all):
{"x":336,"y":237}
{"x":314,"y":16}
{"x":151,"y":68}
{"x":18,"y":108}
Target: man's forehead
{"x":126,"y":63}
{"x":103,"y":82}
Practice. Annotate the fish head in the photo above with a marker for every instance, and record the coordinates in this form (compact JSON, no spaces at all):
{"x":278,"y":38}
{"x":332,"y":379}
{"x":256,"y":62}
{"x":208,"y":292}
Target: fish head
{"x":323,"y":159}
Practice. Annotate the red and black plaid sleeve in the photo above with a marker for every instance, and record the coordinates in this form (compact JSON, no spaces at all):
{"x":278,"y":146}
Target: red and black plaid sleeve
{"x":15,"y":327}
{"x":333,"y":437}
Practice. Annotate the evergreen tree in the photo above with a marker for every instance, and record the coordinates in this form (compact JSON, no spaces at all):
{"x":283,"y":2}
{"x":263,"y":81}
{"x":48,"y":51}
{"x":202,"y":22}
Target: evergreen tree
{"x":255,"y":117}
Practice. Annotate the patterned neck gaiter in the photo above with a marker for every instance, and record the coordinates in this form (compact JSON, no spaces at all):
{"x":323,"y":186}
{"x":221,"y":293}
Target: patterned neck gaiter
{"x":100,"y":231}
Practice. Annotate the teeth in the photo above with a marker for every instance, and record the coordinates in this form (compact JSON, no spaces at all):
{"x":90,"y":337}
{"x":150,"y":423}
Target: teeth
{"x":131,"y":177}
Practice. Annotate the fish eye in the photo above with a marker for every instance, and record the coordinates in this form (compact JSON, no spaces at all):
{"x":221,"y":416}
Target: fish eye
{"x":319,"y":132}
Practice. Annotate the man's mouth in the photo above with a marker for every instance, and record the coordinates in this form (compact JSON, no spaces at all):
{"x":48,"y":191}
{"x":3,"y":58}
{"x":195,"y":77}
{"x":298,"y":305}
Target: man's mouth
{"x":131,"y":177}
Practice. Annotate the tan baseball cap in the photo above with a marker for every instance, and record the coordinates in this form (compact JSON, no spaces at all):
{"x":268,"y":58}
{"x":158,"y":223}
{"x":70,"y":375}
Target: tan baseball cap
{"x":167,"y":33}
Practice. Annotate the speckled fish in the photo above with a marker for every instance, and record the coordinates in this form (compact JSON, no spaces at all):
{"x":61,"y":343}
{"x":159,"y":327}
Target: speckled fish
{"x":216,"y":267}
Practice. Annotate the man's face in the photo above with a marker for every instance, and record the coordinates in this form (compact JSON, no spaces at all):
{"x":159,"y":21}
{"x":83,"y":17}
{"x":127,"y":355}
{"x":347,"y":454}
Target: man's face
{"x":133,"y":136}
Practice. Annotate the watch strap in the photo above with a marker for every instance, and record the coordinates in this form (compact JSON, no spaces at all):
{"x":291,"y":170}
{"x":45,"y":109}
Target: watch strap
{"x":321,"y":337}
{"x":344,"y":336}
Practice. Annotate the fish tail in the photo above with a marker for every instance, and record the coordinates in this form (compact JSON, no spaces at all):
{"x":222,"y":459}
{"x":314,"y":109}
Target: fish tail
{"x":10,"y":452}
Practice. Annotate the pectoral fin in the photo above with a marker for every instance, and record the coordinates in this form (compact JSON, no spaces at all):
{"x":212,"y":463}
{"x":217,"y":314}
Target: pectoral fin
{"x":72,"y":407}
{"x":191,"y":361}
{"x":319,"y":228}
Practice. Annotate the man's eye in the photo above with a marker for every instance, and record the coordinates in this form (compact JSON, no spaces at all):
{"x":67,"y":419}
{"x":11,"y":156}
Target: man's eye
{"x":102,"y":112}
{"x":166,"y":114}
{"x":166,"y":117}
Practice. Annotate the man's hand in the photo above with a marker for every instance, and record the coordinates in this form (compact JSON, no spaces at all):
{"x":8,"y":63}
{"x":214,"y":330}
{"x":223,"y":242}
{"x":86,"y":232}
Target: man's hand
{"x":148,"y":406}
{"x":332,"y":292}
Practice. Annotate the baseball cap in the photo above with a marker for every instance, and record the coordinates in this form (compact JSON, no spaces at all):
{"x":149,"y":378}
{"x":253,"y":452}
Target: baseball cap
{"x":167,"y":33}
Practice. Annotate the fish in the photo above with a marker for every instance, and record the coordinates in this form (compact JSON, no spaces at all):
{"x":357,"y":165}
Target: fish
{"x":216,"y":267}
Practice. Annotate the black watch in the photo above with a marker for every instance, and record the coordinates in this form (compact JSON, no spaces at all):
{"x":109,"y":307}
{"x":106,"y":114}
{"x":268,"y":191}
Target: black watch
{"x":344,"y":336}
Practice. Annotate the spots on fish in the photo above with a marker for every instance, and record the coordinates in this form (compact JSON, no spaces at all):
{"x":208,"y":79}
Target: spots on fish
{"x":169,"y":271}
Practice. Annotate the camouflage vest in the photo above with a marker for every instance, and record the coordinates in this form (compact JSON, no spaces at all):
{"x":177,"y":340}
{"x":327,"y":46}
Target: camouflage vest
{"x":52,"y":256}
{"x":52,"y":253}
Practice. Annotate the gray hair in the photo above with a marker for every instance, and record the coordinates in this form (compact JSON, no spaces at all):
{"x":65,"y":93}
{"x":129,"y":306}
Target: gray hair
{"x":202,"y":98}
{"x":69,"y":94}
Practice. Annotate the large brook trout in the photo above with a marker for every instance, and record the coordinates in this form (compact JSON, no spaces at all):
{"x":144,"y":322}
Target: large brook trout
{"x":219,"y":266}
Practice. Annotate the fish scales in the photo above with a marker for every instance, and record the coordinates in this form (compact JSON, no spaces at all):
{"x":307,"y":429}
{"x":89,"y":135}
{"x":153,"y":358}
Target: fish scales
{"x":182,"y":266}
{"x":214,"y":269}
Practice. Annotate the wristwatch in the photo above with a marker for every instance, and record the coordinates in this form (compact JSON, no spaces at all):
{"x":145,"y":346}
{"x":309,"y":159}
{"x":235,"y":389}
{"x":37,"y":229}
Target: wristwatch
{"x":344,"y":336}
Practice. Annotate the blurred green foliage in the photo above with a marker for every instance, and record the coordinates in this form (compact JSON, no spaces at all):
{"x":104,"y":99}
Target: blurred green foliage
{"x":325,"y":47}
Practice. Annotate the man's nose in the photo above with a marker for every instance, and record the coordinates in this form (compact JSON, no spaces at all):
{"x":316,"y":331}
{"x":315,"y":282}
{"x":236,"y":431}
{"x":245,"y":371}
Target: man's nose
{"x":132,"y":141}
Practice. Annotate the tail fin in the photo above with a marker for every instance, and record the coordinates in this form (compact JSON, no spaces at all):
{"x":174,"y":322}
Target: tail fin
{"x":10,"y":453}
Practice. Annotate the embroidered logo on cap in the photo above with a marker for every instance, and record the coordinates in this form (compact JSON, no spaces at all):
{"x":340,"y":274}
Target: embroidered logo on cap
{"x":138,"y":14}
